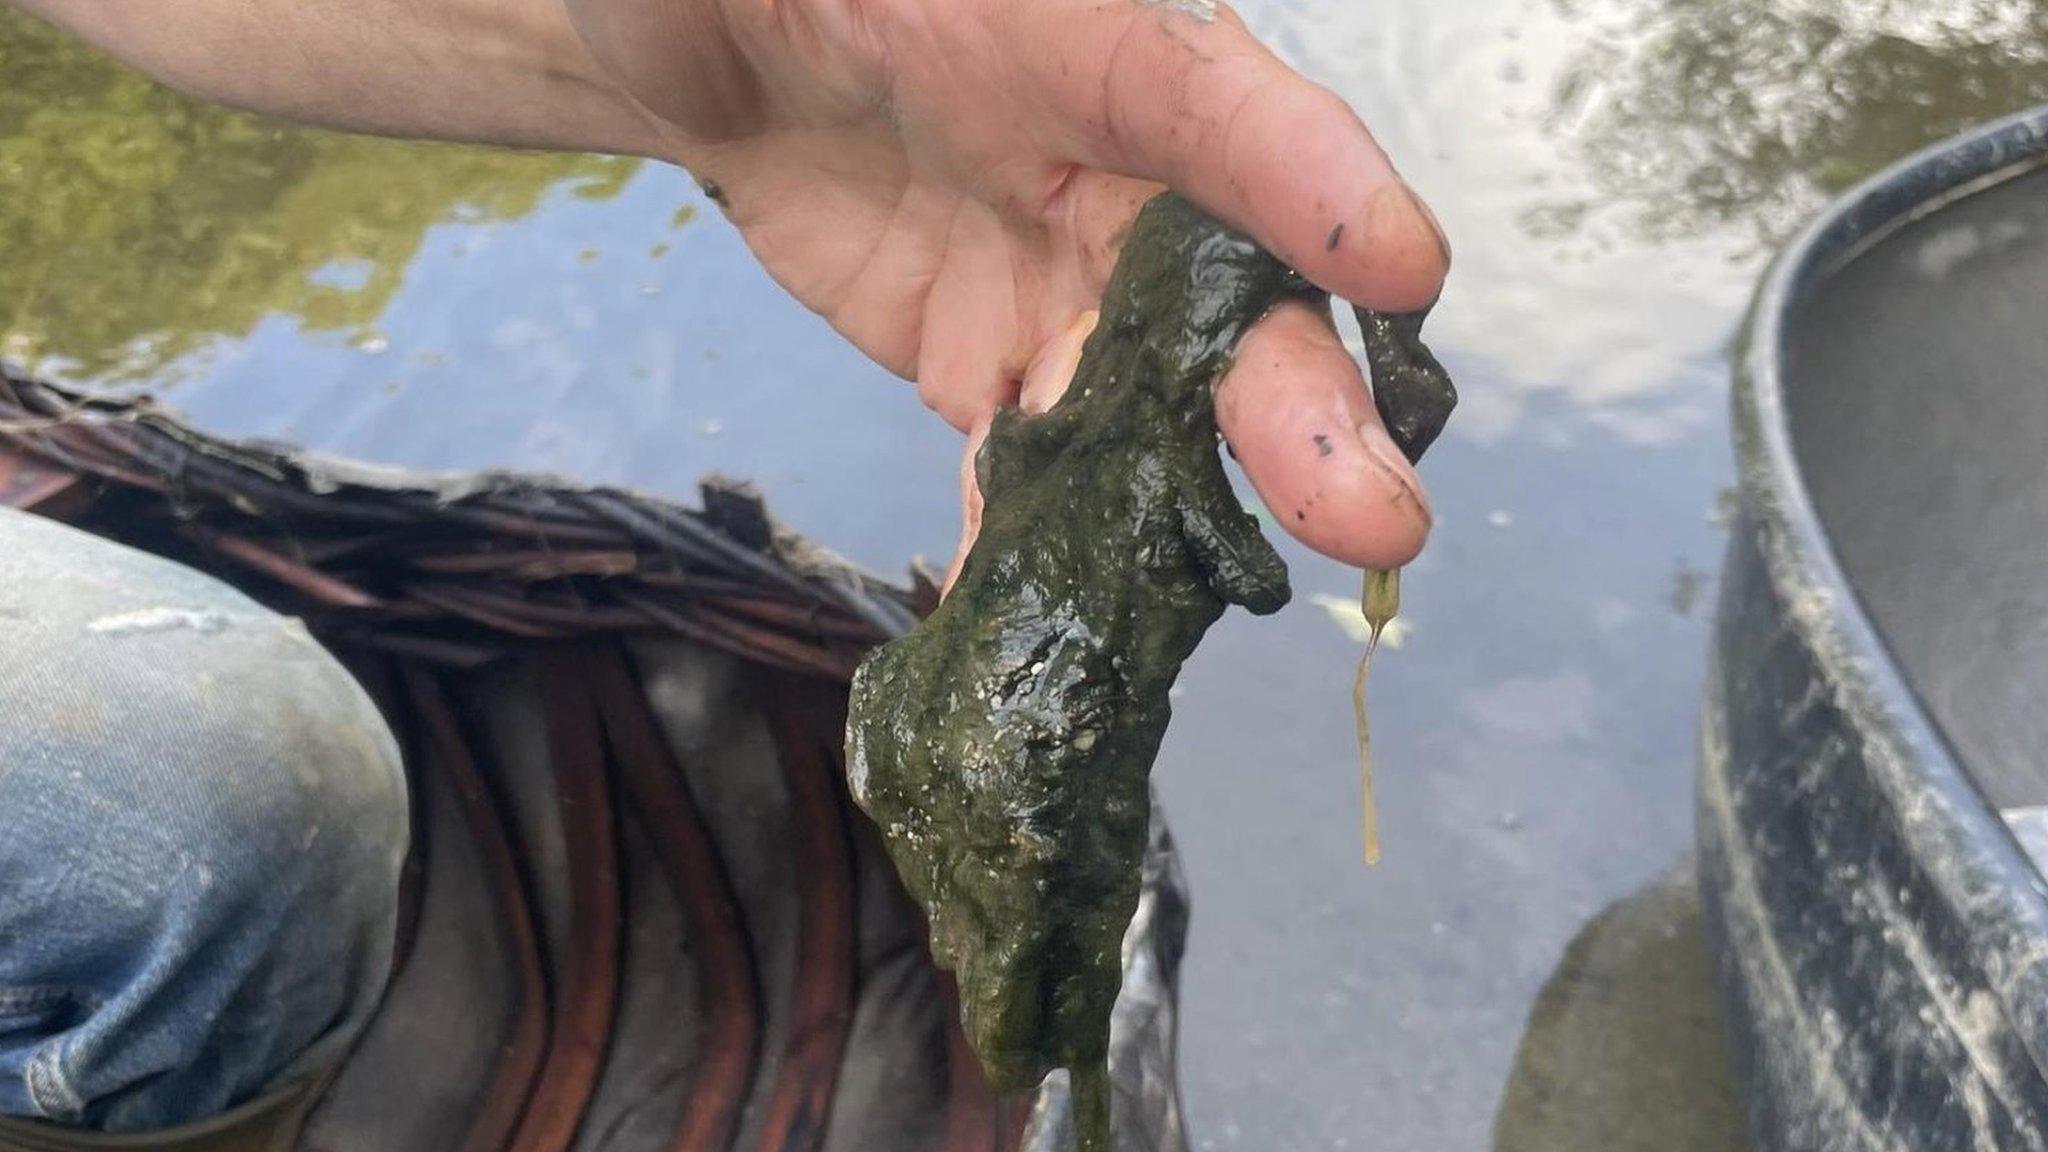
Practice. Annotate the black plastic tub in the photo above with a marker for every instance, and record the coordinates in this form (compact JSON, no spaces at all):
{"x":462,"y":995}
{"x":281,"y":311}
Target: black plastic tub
{"x":1874,"y":753}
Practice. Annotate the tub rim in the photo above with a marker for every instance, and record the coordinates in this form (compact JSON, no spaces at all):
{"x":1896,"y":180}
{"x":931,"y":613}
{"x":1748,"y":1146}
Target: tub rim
{"x":1967,"y":853}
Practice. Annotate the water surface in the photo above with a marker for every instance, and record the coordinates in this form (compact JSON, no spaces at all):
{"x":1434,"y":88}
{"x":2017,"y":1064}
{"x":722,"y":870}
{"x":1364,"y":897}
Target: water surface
{"x":1524,"y":972}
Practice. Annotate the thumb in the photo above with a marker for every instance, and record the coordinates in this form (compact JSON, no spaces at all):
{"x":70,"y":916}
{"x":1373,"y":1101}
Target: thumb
{"x":1044,"y":383}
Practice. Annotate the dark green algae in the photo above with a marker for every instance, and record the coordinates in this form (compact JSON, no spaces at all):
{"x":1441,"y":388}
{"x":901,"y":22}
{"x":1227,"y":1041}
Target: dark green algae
{"x":1004,"y":747}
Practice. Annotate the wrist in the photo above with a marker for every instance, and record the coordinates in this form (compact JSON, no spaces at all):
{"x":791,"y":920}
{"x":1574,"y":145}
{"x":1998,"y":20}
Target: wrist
{"x":590,"y":109}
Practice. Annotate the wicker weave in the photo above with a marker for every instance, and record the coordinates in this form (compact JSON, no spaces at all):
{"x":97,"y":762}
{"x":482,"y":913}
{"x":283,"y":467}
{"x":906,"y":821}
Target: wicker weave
{"x":450,"y":570}
{"x":426,"y":587}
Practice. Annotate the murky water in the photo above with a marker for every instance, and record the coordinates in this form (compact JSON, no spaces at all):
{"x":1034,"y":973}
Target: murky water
{"x":1524,"y":971}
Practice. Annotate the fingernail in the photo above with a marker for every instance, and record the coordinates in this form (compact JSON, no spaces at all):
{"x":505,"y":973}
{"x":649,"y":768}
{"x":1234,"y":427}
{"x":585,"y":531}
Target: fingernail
{"x":1443,"y":242}
{"x":1387,"y":455}
{"x":1046,"y":379}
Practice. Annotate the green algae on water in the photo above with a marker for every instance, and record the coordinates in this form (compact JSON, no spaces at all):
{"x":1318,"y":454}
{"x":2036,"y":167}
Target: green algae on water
{"x":139,"y":225}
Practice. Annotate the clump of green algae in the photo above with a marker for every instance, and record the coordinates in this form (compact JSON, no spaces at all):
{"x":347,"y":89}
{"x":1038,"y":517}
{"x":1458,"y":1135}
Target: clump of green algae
{"x":1004,"y":746}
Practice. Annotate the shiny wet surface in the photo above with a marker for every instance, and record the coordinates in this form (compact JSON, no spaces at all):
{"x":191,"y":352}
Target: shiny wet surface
{"x":1912,"y":384}
{"x":1524,"y":969}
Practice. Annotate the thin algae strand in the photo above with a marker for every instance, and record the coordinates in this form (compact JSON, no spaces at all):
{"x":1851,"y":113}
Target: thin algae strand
{"x":1380,"y":601}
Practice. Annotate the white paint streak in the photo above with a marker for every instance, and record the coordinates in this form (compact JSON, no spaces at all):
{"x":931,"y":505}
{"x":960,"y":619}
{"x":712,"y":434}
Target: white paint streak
{"x":1756,"y":948}
{"x":1975,"y":1022}
{"x":2030,"y":827}
{"x":149,"y":620}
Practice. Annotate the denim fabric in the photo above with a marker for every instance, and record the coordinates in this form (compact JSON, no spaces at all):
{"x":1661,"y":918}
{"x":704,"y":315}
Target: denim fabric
{"x":202,"y":820}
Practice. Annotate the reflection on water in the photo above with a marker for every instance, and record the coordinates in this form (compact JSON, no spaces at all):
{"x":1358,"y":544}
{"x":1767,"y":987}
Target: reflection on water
{"x":1705,"y":114}
{"x":1611,"y":169}
{"x":137,"y":225}
{"x":1625,"y":1050}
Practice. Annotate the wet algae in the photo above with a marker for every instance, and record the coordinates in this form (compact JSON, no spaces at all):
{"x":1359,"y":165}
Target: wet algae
{"x":1411,"y":391}
{"x":1004,"y":746}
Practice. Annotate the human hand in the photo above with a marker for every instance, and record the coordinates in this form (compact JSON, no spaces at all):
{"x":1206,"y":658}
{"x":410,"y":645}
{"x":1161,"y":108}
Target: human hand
{"x":948,"y":182}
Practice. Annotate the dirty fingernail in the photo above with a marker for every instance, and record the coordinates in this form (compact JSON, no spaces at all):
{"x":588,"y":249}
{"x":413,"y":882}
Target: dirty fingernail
{"x":1384,"y":453}
{"x":1422,"y":208}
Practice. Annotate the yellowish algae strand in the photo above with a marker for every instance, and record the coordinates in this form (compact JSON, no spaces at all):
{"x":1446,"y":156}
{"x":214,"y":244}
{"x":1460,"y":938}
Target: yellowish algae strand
{"x":1380,"y":602}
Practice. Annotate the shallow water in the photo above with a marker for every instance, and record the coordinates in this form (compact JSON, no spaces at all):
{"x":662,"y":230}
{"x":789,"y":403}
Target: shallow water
{"x":1524,"y":970}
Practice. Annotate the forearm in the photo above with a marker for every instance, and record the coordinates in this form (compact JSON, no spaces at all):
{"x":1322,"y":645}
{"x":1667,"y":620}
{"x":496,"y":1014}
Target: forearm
{"x":494,"y":71}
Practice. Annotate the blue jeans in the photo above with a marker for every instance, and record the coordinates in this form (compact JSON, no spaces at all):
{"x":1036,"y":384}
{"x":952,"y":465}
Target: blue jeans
{"x":202,"y":821}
